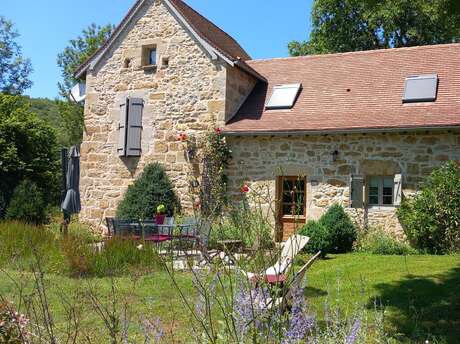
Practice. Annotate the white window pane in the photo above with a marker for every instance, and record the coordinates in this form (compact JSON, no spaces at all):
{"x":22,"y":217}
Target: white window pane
{"x":283,"y":96}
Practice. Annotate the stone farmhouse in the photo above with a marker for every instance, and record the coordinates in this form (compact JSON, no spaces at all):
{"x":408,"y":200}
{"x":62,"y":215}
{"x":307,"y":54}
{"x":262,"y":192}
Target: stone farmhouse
{"x":360,"y":129}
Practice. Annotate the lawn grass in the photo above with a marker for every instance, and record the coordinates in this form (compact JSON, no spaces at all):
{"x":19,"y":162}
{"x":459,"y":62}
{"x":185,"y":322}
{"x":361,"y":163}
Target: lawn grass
{"x":419,"y":293}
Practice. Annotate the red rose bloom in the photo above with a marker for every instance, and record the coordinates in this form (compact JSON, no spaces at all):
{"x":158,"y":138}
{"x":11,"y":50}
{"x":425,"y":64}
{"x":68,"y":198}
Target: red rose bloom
{"x":182,"y":137}
{"x":218,"y":130}
{"x":245,"y":189}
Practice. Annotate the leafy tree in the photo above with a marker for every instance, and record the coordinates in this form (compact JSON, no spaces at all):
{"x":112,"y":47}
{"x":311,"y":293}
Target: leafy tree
{"x":431,"y":218}
{"x":152,"y":188}
{"x":78,"y":51}
{"x":14,"y":68}
{"x":353,"y":25}
{"x":28,"y":150}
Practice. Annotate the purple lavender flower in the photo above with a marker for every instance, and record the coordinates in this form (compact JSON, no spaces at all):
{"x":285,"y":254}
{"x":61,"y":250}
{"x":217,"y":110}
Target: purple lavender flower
{"x":152,"y":330}
{"x":300,"y":324}
{"x":351,"y":338}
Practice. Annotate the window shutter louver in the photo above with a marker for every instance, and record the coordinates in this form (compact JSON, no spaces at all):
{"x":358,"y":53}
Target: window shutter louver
{"x":121,"y":148}
{"x":397,"y":190}
{"x":356,"y":191}
{"x":133,"y":145}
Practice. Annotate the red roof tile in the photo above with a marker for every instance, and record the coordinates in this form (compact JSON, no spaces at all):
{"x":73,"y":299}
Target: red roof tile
{"x":354,"y":91}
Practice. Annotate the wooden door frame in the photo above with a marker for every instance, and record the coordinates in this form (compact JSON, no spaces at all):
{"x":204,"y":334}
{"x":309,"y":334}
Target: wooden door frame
{"x":279,"y":210}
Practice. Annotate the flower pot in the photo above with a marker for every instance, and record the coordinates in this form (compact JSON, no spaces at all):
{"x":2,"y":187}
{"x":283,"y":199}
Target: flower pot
{"x":160,"y":219}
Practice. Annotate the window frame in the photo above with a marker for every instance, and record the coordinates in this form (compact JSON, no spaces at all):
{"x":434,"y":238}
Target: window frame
{"x":146,"y":56}
{"x":295,"y":179}
{"x":380,"y":194}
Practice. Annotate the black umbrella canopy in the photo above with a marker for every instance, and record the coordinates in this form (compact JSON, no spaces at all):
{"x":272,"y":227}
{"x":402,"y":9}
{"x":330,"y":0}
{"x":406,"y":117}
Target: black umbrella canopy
{"x":71,"y":203}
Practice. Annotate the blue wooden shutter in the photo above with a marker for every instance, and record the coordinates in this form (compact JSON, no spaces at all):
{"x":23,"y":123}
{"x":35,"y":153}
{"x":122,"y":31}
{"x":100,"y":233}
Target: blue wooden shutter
{"x":121,"y":147}
{"x":356,"y":191}
{"x":133,"y":144}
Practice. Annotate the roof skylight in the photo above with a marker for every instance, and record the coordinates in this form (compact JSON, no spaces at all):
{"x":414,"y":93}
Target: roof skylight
{"x":420,"y":88}
{"x":284,"y":96}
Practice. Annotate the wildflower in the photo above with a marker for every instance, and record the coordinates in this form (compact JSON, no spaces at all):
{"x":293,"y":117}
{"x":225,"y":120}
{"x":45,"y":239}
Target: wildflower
{"x":351,"y":338}
{"x":245,"y":188}
{"x":152,"y":330}
{"x":218,"y":131}
{"x":300,"y":324}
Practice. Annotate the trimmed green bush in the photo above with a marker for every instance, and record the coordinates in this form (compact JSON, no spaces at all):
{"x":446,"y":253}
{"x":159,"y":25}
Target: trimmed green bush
{"x":28,"y":204}
{"x":152,"y":188}
{"x":377,"y":241}
{"x":333,"y":233}
{"x":431,"y":218}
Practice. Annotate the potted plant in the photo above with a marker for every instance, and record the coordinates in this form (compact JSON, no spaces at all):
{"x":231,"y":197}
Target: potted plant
{"x":160,"y":214}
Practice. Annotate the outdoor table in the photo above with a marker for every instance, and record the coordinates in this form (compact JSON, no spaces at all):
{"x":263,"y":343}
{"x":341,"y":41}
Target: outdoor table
{"x":231,"y":245}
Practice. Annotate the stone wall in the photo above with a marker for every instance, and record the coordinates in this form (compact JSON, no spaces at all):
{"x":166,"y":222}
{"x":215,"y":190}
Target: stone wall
{"x":185,"y":93}
{"x":260,"y":160}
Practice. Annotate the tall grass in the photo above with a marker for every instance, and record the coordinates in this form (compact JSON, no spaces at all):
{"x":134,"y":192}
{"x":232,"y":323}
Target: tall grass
{"x":20,"y":243}
{"x":74,"y":255}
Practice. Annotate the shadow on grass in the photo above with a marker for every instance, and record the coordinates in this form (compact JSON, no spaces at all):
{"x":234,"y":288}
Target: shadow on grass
{"x":314,"y":292}
{"x":423,"y":307}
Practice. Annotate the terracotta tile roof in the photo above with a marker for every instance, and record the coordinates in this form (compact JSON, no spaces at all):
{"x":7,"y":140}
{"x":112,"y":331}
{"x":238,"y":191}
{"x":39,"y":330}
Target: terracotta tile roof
{"x":354,"y":91}
{"x":207,"y":31}
{"x":212,"y":34}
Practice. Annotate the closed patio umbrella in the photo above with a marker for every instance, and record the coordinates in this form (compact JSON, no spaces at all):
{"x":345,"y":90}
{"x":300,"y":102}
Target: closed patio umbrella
{"x":71,"y":204}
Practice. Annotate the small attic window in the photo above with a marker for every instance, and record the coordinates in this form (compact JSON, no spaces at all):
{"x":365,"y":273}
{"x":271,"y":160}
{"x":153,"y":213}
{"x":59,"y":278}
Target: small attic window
{"x":284,"y":96}
{"x":149,"y":56}
{"x":420,"y":88}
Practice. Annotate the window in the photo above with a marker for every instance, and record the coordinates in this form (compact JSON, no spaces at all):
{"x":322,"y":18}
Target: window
{"x":293,"y":196}
{"x":149,"y":56}
{"x":284,"y":96}
{"x":380,"y":190}
{"x":420,"y":88}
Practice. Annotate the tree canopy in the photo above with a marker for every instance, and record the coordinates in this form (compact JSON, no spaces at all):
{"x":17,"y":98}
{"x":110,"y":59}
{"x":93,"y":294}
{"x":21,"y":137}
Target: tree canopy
{"x":354,"y":25}
{"x":14,"y":68}
{"x":78,"y":51}
{"x":28,"y":150}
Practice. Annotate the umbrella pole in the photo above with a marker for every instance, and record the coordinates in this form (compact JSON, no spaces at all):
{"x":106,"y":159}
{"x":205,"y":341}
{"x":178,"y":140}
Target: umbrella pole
{"x":64,"y":166}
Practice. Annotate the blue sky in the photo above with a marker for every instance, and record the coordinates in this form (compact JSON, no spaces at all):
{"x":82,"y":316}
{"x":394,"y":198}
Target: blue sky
{"x":262,"y":27}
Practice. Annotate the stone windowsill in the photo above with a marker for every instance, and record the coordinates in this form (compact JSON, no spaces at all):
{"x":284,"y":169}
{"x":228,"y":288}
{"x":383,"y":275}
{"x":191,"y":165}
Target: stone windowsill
{"x":381,"y":208}
{"x":150,"y":68}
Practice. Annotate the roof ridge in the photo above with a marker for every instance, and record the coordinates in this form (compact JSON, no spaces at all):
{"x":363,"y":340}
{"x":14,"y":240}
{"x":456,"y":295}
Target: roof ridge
{"x":212,"y":23}
{"x":361,"y":52}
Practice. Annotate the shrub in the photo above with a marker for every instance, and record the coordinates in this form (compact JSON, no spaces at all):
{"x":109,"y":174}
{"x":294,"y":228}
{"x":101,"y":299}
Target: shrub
{"x":27,"y":204}
{"x":333,"y":233}
{"x":244,"y":224}
{"x":150,"y":190}
{"x":377,"y":241}
{"x":431,"y":218}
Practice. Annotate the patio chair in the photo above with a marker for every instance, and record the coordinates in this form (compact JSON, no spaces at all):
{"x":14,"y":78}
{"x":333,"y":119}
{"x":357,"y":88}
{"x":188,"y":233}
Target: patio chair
{"x":288,"y":292}
{"x":291,"y":248}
